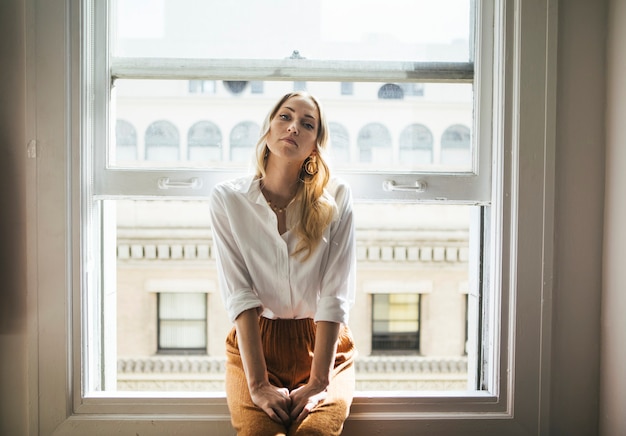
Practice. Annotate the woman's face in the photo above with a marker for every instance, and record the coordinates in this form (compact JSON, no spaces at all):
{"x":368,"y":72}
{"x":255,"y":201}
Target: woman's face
{"x":293,"y":130}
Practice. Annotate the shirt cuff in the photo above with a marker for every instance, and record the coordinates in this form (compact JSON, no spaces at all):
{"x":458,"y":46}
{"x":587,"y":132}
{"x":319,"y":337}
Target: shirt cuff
{"x":333,"y":309}
{"x":241,"y":301}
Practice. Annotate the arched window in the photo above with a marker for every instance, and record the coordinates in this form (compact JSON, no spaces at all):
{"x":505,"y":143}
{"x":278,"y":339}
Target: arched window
{"x":456,"y":145}
{"x":204,"y":142}
{"x":416,"y":145}
{"x":243,"y":138}
{"x":339,"y":142}
{"x":374,"y":144}
{"x":125,"y":141}
{"x":235,"y":86}
{"x":390,"y":91}
{"x":162,"y":142}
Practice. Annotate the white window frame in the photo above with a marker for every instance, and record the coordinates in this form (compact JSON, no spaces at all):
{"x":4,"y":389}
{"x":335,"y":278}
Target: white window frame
{"x":473,"y":186}
{"x":517,"y":403}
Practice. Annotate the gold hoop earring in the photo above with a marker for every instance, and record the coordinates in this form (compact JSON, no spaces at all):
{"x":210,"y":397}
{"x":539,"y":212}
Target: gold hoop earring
{"x":310,"y":166}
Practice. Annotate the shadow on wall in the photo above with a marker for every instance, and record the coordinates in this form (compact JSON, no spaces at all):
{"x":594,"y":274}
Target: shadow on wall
{"x":12,"y":169}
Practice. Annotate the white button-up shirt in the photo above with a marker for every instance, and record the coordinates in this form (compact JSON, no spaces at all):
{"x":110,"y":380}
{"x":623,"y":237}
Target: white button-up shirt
{"x":255,"y":264}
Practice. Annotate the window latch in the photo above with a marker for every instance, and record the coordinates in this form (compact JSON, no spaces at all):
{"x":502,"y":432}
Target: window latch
{"x":193,"y":183}
{"x":417,"y":186}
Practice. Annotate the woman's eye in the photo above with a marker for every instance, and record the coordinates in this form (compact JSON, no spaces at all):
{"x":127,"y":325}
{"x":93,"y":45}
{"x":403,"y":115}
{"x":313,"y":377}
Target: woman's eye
{"x":284,"y":117}
{"x":309,"y":126}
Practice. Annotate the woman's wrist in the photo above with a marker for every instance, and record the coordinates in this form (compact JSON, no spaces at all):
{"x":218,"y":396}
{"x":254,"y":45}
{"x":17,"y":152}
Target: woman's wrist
{"x":320,"y":383}
{"x":256,"y":385}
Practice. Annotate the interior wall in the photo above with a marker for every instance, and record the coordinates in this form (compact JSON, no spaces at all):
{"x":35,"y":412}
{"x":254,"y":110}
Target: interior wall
{"x":580,"y":127}
{"x":613,"y":352}
{"x":13,"y":364}
{"x":578,"y":223}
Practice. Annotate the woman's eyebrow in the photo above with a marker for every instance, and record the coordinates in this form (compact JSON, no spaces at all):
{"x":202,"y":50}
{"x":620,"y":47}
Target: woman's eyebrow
{"x":306,"y":115}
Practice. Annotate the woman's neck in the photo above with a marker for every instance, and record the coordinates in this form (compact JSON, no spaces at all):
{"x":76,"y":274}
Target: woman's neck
{"x":281,"y":182}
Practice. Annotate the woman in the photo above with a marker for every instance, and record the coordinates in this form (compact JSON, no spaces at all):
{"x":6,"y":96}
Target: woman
{"x":286,"y":257}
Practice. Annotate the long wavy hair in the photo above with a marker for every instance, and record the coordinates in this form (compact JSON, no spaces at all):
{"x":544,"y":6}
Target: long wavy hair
{"x":316,"y":211}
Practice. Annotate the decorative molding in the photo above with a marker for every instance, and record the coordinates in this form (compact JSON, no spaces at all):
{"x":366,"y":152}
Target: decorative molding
{"x":394,"y":366}
{"x":388,"y":251}
{"x":172,"y":365}
{"x":373,"y":373}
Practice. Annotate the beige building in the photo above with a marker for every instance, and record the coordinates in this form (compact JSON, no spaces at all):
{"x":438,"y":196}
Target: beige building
{"x":409,"y":319}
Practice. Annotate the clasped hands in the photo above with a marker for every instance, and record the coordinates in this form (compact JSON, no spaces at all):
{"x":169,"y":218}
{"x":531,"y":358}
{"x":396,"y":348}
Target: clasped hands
{"x":285,"y":407}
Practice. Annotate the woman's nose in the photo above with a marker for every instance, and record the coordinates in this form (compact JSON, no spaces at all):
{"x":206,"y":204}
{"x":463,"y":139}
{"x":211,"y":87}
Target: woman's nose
{"x":293,"y":128}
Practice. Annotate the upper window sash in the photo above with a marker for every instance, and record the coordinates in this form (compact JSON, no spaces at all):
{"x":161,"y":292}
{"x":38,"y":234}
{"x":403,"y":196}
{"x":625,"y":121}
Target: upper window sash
{"x":461,"y":187}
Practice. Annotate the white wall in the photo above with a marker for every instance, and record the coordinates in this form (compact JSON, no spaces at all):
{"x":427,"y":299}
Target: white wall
{"x":613,"y":345}
{"x":575,"y":375}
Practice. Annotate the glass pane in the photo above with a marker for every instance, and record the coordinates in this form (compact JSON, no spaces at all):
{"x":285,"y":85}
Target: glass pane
{"x":182,"y":306}
{"x":182,"y":334}
{"x":412,"y":271}
{"x":399,"y":30}
{"x":168,"y":126}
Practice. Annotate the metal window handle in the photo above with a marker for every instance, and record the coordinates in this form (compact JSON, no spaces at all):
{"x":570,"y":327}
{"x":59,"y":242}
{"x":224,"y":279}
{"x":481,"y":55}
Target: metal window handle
{"x":417,"y":186}
{"x":193,"y":183}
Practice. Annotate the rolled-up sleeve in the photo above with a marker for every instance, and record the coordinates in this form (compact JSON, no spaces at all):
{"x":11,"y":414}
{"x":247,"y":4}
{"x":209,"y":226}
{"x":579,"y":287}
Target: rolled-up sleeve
{"x":236,"y":287}
{"x":337,"y":290}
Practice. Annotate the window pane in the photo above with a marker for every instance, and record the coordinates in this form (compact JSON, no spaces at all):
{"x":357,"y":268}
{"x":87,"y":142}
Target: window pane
{"x":182,"y":335}
{"x":416,"y":145}
{"x":401,"y":30}
{"x":125,"y":145}
{"x":162,"y":141}
{"x":410,"y":319}
{"x":182,"y":306}
{"x":423,"y":131}
{"x":456,"y":146}
{"x":204,"y":142}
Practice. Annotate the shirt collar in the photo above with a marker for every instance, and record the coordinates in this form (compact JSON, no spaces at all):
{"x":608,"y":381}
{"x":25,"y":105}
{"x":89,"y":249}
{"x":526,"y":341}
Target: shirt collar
{"x":251,"y":188}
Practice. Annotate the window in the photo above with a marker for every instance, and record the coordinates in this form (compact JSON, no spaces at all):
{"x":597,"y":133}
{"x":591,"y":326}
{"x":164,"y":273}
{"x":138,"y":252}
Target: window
{"x":235,"y":86}
{"x":74,"y":348}
{"x":455,"y":145}
{"x":299,"y":85}
{"x":202,"y":86}
{"x":243,"y":137}
{"x":413,"y":89}
{"x":204,"y":142}
{"x":182,"y":321}
{"x":256,"y":87}
{"x":416,"y":145}
{"x":339,"y":143}
{"x":162,"y":142}
{"x":390,"y":91}
{"x":395,"y":323}
{"x":347,"y":88}
{"x":125,"y":141}
{"x":374,"y":143}
{"x":418,"y":220}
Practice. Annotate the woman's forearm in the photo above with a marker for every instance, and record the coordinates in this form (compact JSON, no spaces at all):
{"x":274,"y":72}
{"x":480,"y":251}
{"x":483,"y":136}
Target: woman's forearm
{"x":272,"y":400}
{"x":251,"y":349}
{"x":326,"y":337}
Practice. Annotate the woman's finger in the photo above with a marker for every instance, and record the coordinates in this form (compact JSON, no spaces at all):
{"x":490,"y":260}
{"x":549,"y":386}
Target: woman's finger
{"x":282,"y":415}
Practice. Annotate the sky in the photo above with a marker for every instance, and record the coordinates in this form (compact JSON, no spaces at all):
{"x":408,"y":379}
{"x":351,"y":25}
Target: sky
{"x":423,"y":21}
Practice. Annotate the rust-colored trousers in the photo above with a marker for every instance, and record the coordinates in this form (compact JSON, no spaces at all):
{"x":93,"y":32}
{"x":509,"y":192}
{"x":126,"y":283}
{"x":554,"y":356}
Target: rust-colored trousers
{"x":288,"y":347}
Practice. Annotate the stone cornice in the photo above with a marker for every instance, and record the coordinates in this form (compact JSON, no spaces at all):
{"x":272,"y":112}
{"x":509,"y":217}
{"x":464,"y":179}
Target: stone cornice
{"x":407,"y":365}
{"x":376,"y":251}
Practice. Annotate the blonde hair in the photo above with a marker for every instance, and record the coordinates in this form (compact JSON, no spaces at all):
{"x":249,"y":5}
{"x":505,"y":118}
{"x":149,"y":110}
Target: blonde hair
{"x":316,"y":211}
